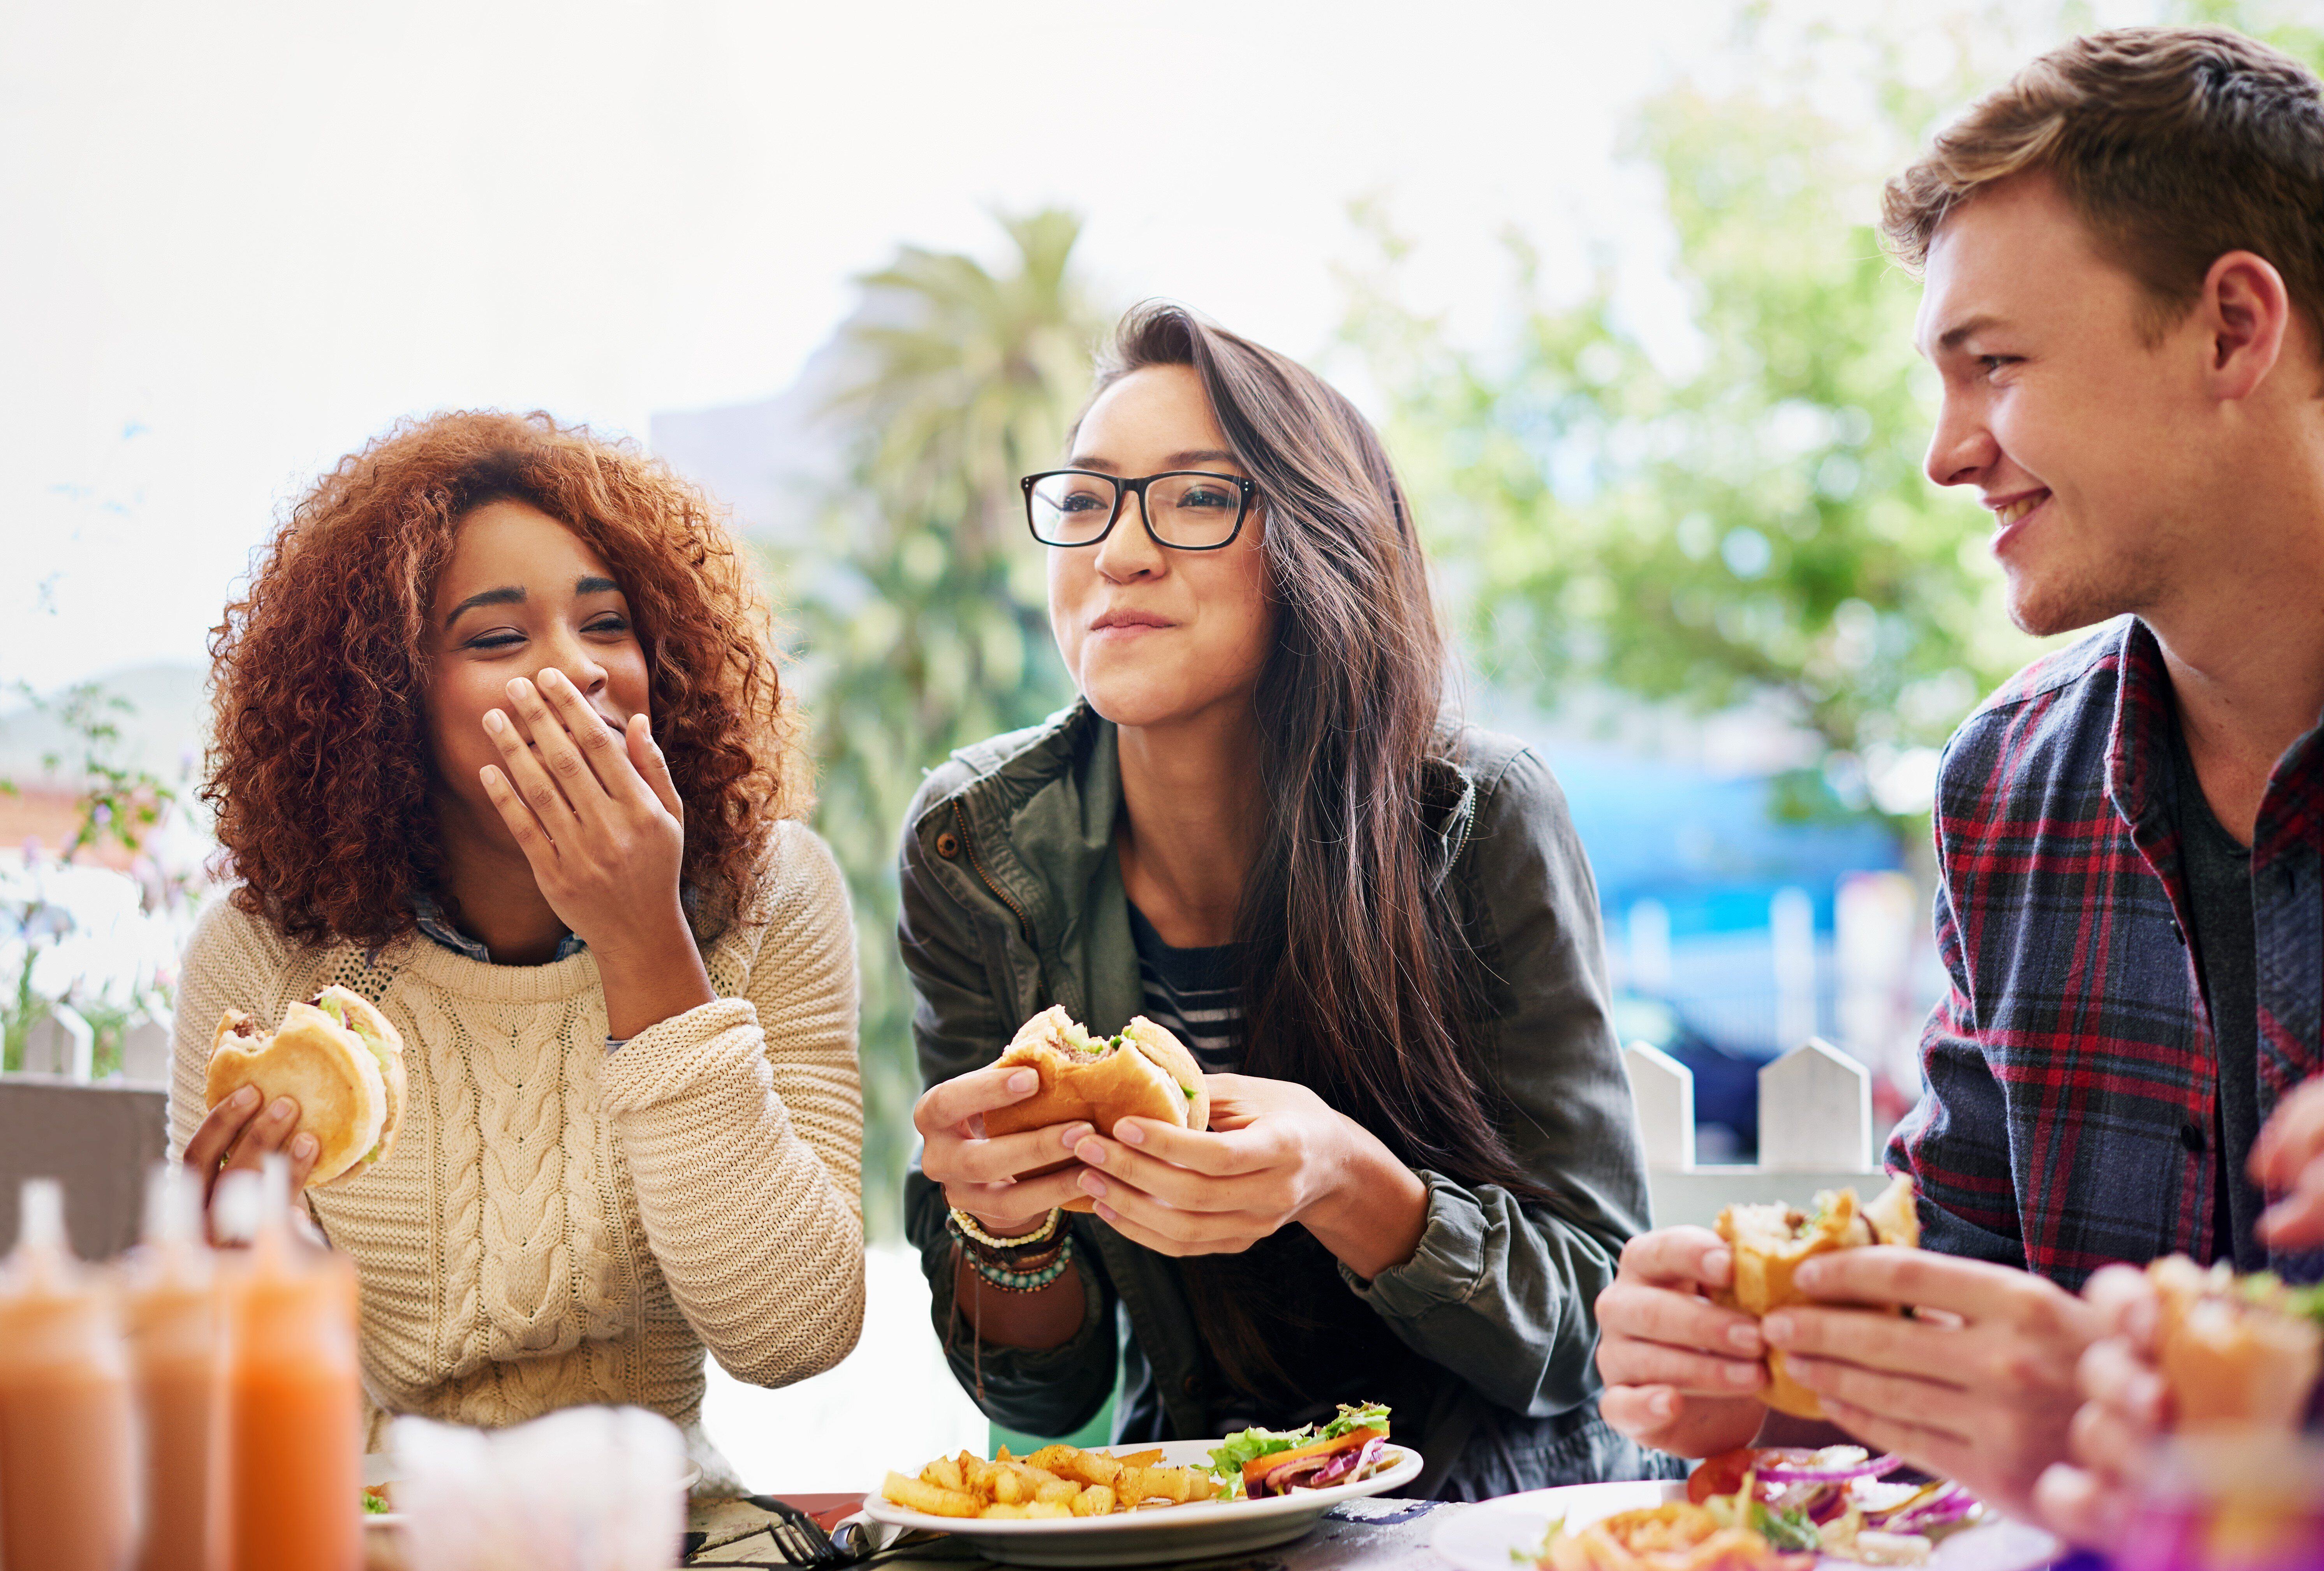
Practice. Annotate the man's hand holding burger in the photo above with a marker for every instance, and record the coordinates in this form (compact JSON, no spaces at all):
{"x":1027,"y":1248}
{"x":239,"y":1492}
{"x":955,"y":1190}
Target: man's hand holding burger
{"x":1274,"y":1153}
{"x":1681,"y":1374}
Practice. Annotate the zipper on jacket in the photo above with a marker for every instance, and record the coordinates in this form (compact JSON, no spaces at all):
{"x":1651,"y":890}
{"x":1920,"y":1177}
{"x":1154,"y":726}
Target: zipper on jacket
{"x":968,"y":843}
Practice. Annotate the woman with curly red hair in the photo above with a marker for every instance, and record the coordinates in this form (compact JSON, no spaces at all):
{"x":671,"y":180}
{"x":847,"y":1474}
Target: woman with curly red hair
{"x":502,"y":748}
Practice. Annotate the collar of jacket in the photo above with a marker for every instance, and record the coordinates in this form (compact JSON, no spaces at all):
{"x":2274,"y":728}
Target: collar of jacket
{"x":1032,"y":827}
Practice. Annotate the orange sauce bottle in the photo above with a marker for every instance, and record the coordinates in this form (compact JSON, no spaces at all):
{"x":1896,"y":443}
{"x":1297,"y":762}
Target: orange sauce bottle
{"x":294,"y":1403}
{"x":172,"y":1310}
{"x":67,"y":1495}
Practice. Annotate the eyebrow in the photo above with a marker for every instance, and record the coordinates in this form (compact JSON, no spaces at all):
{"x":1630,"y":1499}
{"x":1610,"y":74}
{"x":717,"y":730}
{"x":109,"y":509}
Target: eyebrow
{"x":1175,"y":461}
{"x":1955,"y":336}
{"x":513,"y":595}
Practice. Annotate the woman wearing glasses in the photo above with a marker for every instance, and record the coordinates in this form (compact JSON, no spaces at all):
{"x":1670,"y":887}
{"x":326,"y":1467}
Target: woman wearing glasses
{"x":1373,"y":926}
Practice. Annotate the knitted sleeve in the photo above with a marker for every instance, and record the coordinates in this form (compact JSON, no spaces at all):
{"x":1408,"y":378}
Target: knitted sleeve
{"x":232,"y":961}
{"x":742,"y":1122}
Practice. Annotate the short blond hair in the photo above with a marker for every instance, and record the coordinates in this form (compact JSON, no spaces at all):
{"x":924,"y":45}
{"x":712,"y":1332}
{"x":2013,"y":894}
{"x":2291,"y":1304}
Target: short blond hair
{"x":2175,"y":144}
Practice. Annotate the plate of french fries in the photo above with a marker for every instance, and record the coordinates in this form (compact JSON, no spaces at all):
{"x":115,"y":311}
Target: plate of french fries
{"x":1063,"y":1505}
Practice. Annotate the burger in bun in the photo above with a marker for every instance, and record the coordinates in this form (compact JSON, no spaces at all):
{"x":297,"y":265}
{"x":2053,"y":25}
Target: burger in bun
{"x":338,"y":1057}
{"x":1771,"y":1241}
{"x":1142,"y":1071}
{"x":2237,"y":1352}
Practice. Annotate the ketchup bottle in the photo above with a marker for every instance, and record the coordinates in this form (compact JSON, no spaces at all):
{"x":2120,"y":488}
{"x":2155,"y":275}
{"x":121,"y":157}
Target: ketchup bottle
{"x":294,"y":1404}
{"x":177,"y":1364}
{"x":67,"y":1493}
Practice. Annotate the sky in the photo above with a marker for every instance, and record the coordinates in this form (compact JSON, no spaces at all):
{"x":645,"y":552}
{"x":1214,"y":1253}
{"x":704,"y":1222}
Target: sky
{"x":237,"y":240}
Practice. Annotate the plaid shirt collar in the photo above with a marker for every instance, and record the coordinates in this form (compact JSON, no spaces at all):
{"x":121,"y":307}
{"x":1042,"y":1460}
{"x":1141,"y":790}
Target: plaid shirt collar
{"x":429,"y":916}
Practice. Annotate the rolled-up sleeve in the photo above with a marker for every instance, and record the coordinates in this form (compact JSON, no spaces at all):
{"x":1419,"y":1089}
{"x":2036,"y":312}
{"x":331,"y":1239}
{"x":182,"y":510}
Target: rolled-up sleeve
{"x":1501,"y":1289}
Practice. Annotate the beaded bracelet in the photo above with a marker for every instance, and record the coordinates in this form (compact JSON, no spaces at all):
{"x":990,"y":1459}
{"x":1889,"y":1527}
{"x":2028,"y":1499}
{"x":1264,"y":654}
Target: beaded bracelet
{"x":1024,"y":1281}
{"x":1025,"y":1263}
{"x":969,"y":1230}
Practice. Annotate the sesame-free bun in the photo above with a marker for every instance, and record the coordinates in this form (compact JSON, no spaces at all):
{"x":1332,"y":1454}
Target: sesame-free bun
{"x":348,"y":1079}
{"x":1144,"y":1072}
{"x":1767,"y":1254}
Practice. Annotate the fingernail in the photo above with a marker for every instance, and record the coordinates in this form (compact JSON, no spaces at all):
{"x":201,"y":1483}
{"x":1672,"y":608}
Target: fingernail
{"x":1662,"y":1404}
{"x":1129,"y":1134}
{"x":495,"y":722}
{"x":1023,"y":1081}
{"x":284,"y":1107}
{"x":1777,"y":1329}
{"x":246,"y":1098}
{"x":1107,"y":1212}
{"x":1092,"y":1152}
{"x":519,"y":688}
{"x":1742,"y":1374}
{"x":1716,"y":1262}
{"x":1744,"y":1338}
{"x":1076,"y":1133}
{"x":552,"y":679}
{"x":303,"y":1148}
{"x":1093,"y":1185}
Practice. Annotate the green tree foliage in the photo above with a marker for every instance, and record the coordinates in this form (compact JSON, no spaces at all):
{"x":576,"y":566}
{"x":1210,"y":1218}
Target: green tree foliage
{"x":932,"y":631}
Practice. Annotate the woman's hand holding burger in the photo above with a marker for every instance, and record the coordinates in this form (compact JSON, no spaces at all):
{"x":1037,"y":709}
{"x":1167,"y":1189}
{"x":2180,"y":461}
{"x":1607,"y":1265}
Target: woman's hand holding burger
{"x":1274,"y":1153}
{"x":985,"y":1176}
{"x":601,"y":824}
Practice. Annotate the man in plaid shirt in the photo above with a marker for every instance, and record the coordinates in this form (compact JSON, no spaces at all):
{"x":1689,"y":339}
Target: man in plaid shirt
{"x":2124,"y":295}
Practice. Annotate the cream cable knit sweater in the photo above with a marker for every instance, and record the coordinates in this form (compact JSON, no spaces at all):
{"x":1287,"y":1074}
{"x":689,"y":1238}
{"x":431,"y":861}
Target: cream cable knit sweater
{"x":558,"y":1226}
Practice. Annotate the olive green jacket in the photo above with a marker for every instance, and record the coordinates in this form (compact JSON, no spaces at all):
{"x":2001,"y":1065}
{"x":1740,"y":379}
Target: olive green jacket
{"x":1013,"y":901}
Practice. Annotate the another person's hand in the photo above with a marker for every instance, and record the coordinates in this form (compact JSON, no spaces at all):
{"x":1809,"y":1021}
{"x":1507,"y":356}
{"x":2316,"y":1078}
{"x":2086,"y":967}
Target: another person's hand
{"x":2126,"y":1405}
{"x":594,"y":811}
{"x":982,"y":1175}
{"x":1274,"y":1153}
{"x":1980,"y":1386}
{"x":239,"y":1133}
{"x":2288,"y":1159}
{"x":1680,"y":1370}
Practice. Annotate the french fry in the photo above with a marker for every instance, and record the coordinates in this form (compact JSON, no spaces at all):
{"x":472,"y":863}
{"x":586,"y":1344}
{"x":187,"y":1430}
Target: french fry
{"x":1073,"y":1462}
{"x":944,"y":1472}
{"x":1175,"y":1485}
{"x":914,"y":1495}
{"x":1096,"y":1500}
{"x":1141,"y":1458}
{"x":1056,"y":1491}
{"x":1031,"y":1511}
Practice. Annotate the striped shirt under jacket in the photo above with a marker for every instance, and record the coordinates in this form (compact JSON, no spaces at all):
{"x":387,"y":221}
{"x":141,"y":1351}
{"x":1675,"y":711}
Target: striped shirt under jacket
{"x":2071,"y":1078}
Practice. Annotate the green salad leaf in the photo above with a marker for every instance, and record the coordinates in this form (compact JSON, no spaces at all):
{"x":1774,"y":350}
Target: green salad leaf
{"x":1228,"y":1457}
{"x":1371,"y":1415}
{"x":1249,"y":1445}
{"x":1786,"y":1530}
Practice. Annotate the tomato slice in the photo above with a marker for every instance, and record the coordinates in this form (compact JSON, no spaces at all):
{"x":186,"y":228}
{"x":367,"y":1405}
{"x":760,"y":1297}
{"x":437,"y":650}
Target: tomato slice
{"x":1723,"y":1474}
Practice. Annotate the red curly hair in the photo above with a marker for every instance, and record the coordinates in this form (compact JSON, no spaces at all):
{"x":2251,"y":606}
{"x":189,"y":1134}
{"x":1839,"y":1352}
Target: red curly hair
{"x":321,"y":774}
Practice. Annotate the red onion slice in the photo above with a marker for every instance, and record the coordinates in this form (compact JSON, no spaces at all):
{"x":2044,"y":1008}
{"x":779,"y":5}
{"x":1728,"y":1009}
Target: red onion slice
{"x":1872,"y":1467}
{"x":1954,"y":1503}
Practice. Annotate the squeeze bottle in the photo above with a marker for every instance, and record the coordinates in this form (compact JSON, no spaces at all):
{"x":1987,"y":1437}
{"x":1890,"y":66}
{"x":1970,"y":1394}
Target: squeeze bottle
{"x":294,"y":1403}
{"x":177,"y":1364}
{"x":68,"y":1480}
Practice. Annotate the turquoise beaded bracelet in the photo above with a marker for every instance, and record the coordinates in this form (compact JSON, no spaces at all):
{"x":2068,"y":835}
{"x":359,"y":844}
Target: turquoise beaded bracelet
{"x":1024,"y":1281}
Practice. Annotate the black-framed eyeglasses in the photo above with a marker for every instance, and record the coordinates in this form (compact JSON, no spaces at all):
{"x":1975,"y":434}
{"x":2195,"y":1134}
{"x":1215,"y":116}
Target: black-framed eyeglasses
{"x":1187,"y":509}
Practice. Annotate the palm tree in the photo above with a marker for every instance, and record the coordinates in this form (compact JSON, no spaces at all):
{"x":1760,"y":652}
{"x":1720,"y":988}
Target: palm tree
{"x":931,"y":632}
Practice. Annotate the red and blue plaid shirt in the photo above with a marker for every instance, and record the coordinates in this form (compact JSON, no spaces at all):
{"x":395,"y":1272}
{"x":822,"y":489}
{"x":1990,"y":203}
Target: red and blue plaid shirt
{"x":2069,"y":1112}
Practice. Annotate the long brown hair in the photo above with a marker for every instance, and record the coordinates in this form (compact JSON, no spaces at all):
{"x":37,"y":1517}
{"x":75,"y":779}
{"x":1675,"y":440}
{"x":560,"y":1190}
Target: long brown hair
{"x":1383,"y":1027}
{"x":320,"y":773}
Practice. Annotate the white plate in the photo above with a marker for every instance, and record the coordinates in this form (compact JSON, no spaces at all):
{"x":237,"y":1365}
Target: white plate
{"x":1482,"y":1539}
{"x":1173,"y":1532}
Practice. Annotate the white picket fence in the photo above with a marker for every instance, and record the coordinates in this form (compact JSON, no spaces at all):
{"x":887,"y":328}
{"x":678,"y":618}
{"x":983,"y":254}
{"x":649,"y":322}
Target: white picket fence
{"x":1815,"y":1133}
